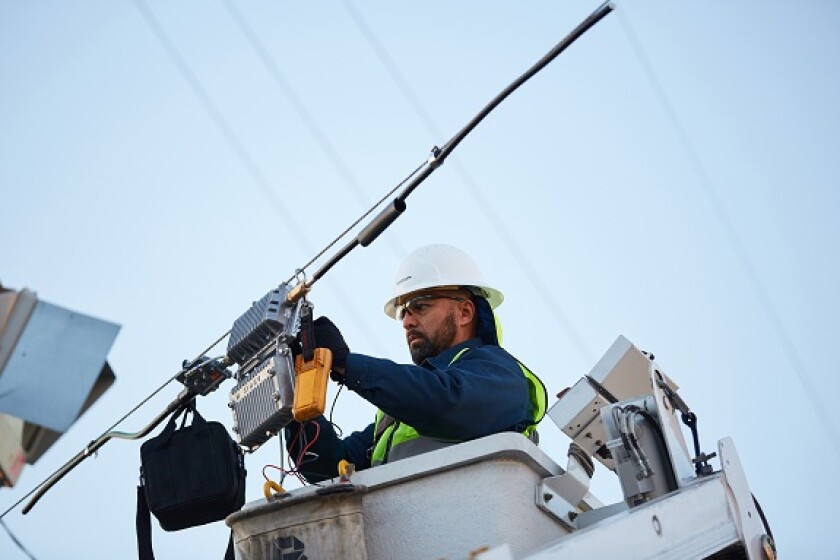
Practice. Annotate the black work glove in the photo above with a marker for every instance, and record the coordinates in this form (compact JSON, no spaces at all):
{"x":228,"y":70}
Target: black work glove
{"x":327,"y":335}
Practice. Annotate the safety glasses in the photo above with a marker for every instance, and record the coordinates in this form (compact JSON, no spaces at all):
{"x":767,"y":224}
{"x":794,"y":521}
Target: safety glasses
{"x":418,"y":305}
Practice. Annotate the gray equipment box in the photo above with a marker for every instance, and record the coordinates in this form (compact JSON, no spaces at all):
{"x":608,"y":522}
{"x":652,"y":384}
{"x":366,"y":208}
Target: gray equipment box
{"x":409,"y":509}
{"x":262,"y":400}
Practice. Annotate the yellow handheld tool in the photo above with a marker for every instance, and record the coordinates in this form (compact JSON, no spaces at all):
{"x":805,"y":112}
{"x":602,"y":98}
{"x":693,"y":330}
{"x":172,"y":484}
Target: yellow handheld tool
{"x":345,"y":470}
{"x":270,"y":488}
{"x":311,"y":385}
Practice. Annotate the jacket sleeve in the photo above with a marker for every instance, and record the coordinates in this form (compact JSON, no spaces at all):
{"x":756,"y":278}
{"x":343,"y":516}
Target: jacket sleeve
{"x":481,"y":393}
{"x":320,"y":459}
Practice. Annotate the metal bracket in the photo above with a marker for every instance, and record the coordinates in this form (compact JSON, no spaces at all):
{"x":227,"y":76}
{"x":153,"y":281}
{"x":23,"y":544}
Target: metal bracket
{"x":747,"y":517}
{"x":559,"y":496}
{"x":671,"y":430}
{"x":204,"y":375}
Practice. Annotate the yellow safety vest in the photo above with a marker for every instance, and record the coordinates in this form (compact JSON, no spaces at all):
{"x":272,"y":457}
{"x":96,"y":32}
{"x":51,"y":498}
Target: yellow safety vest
{"x":390,"y":432}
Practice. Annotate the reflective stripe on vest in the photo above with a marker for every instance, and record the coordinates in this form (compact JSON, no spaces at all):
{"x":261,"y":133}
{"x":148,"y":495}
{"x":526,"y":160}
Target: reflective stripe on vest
{"x":395,"y":440}
{"x":539,"y":398}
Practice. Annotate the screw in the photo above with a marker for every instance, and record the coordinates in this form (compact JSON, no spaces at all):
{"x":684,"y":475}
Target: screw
{"x":768,"y":547}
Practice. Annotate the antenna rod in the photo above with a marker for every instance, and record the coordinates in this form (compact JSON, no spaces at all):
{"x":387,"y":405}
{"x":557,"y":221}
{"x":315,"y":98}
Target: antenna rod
{"x":447,"y":148}
{"x":385,"y":218}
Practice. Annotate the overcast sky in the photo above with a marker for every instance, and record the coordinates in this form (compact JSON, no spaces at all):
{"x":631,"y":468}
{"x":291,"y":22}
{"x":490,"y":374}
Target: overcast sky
{"x":671,"y":178}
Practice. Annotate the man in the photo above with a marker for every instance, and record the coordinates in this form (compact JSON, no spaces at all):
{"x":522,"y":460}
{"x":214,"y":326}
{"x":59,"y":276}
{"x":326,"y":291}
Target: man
{"x":462,"y":385}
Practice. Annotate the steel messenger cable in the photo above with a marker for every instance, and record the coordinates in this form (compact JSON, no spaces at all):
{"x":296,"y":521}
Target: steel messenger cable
{"x":364,"y":238}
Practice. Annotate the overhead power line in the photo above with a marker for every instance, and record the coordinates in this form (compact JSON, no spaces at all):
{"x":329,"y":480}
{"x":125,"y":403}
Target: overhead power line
{"x":16,"y":540}
{"x":754,"y":279}
{"x":244,"y":156}
{"x":531,"y":273}
{"x":221,"y":123}
{"x":309,"y":121}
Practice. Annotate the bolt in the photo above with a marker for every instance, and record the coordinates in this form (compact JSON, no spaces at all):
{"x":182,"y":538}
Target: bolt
{"x":547,"y":497}
{"x":768,"y":547}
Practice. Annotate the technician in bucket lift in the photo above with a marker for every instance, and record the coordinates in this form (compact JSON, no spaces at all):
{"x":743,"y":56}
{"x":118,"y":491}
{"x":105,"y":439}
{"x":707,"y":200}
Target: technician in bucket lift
{"x":462,"y":385}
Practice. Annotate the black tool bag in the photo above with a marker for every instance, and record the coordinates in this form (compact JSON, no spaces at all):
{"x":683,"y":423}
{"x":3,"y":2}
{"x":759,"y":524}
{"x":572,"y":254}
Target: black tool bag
{"x":190,"y":476}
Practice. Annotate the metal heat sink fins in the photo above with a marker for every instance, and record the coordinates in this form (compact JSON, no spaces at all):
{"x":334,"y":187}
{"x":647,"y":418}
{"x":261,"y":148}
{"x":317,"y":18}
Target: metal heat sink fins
{"x":257,"y":326}
{"x":262,"y":401}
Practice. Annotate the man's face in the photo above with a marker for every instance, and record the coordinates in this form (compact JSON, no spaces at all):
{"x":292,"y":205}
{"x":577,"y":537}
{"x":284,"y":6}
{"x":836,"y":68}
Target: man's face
{"x":430,"y":326}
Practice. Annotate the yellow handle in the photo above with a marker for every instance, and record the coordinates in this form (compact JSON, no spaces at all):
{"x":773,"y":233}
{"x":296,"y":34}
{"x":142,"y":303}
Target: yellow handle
{"x":346,"y":469}
{"x":311,"y":385}
{"x":270,"y":487}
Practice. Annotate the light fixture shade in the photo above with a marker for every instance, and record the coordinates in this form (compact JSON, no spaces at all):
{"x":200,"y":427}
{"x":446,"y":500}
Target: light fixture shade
{"x":50,"y":359}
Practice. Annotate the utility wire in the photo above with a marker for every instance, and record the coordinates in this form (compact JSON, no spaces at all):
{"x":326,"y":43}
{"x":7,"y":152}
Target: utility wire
{"x":238,"y":148}
{"x":305,"y":115}
{"x":513,"y":247}
{"x":788,"y":347}
{"x":227,"y":131}
{"x":244,"y":156}
{"x":367,"y":213}
{"x":16,"y":540}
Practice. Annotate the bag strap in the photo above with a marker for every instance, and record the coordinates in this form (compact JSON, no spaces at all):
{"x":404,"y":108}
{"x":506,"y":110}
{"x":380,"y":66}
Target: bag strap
{"x":144,"y":527}
{"x":172,"y":425}
{"x":189,"y":408}
{"x":143,"y":519}
{"x":144,"y":531}
{"x":229,"y":554}
{"x":198,"y":419}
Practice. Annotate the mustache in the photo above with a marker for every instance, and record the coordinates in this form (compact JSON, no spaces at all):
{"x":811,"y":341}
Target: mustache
{"x":414,"y":333}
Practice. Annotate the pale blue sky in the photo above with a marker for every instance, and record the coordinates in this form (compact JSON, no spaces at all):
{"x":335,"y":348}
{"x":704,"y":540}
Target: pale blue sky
{"x":131,"y":195}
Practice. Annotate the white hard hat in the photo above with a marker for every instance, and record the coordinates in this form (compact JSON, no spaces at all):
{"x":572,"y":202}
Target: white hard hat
{"x":435,"y":266}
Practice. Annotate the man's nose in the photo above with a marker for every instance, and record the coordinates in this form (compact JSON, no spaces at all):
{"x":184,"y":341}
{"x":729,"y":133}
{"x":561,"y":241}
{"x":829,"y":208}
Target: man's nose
{"x":408,"y":320}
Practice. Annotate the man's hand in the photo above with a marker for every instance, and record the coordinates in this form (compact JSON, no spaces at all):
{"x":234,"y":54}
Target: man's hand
{"x":327,"y":335}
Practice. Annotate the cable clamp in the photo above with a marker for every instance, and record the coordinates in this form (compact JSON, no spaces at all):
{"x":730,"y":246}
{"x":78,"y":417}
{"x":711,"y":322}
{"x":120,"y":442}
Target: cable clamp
{"x":435,"y":154}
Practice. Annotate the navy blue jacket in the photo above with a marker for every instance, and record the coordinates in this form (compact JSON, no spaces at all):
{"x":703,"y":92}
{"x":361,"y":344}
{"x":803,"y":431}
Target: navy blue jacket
{"x":483,"y":392}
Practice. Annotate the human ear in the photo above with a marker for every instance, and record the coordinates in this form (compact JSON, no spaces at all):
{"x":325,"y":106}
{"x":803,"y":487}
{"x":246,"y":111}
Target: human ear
{"x":466,"y":312}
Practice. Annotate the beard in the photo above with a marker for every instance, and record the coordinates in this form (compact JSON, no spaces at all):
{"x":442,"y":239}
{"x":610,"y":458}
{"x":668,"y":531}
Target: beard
{"x":429,"y":347}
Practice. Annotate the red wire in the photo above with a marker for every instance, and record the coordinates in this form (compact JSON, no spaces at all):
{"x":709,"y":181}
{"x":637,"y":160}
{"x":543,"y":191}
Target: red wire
{"x":308,"y":445}
{"x":289,"y":459}
{"x":265,"y":476}
{"x":295,"y":469}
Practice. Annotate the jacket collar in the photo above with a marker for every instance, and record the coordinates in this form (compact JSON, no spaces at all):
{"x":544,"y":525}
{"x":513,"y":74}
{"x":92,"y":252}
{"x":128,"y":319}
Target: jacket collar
{"x":443,"y":359}
{"x":486,"y":329}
